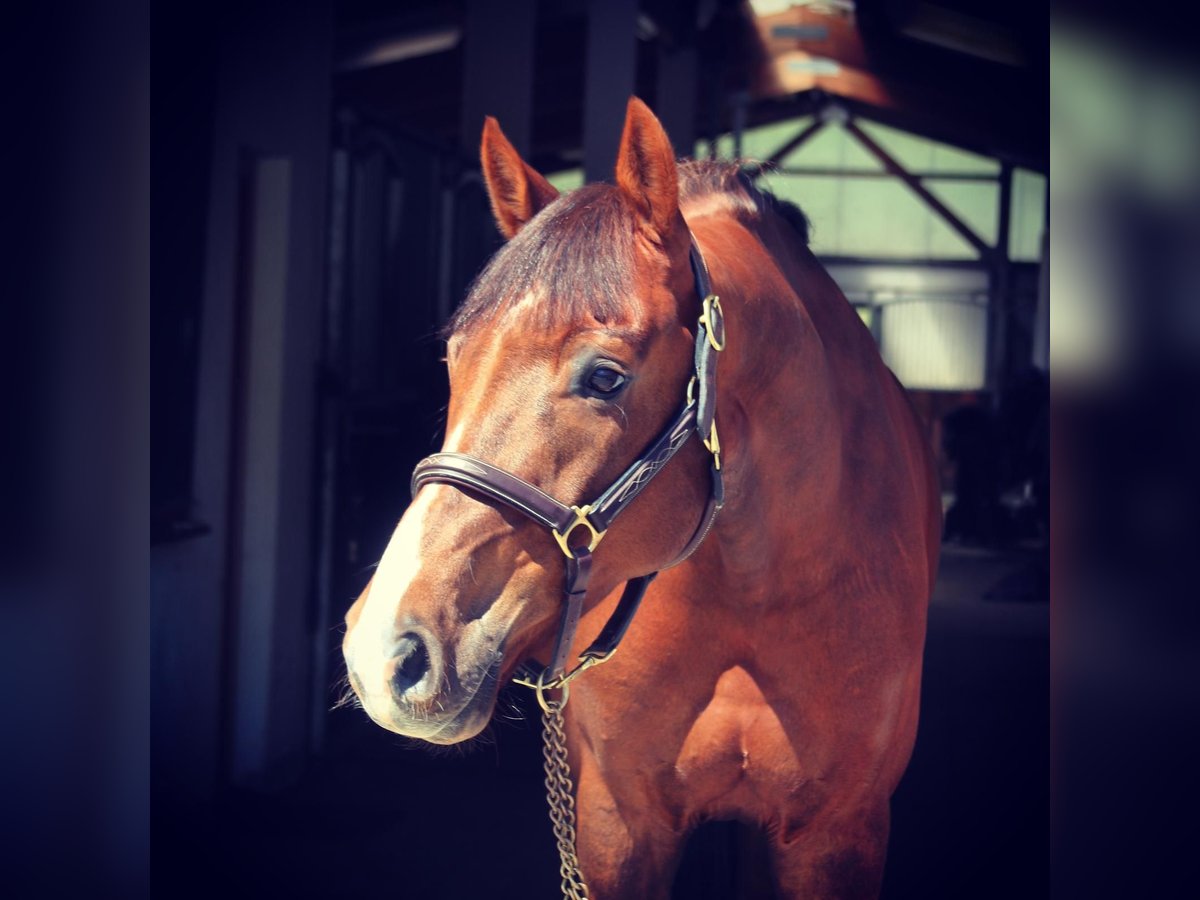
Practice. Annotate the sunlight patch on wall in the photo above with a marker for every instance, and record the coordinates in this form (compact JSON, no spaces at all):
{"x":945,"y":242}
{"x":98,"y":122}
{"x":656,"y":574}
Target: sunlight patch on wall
{"x":567,"y":180}
{"x":935,"y":344}
{"x":1028,"y":216}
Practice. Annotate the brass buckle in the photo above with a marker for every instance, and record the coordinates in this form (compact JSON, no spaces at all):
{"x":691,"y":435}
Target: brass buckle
{"x":713,"y":443}
{"x":713,"y":303}
{"x":587,"y":660}
{"x":541,"y":685}
{"x":581,"y":518}
{"x":591,"y":658}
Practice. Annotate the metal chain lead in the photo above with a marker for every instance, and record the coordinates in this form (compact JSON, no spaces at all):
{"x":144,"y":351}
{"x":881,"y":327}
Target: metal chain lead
{"x":560,"y":795}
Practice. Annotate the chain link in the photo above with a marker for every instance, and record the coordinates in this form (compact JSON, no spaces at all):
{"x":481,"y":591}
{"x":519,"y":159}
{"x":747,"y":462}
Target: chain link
{"x":560,"y":795}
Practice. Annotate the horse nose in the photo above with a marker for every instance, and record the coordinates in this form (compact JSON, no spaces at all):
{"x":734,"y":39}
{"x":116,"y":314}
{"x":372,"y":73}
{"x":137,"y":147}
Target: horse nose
{"x":411,"y":665}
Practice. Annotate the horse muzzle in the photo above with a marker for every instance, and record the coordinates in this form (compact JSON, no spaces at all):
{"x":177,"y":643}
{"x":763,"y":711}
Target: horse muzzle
{"x":419,"y":692}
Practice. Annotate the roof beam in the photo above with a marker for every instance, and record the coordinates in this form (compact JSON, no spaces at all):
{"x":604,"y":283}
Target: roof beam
{"x":801,"y":137}
{"x":835,"y":172}
{"x":914,"y":184}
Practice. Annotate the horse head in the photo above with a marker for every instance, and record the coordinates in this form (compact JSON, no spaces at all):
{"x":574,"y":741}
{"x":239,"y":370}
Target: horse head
{"x":571,"y":353}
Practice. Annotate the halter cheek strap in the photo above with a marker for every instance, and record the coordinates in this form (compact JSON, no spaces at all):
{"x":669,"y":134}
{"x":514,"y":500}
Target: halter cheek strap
{"x":697,"y":416}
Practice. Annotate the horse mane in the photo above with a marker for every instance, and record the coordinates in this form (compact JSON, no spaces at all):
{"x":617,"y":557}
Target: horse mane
{"x":731,"y":182}
{"x":578,"y":253}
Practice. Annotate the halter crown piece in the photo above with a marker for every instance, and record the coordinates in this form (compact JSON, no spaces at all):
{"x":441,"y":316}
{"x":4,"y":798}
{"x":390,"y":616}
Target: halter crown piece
{"x":697,"y":415}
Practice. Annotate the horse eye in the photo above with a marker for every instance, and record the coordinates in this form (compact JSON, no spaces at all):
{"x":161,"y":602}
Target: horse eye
{"x":605,"y":381}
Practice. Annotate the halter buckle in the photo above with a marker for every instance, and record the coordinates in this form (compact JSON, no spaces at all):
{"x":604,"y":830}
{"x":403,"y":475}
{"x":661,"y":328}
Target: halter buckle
{"x":540,"y":681}
{"x":713,"y":318}
{"x":581,"y":518}
{"x":713,"y":443}
{"x":595,"y":657}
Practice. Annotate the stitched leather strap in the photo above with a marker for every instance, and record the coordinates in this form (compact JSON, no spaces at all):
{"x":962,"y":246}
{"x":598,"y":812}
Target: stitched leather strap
{"x":618,"y":623}
{"x":579,"y":572}
{"x":710,"y":330}
{"x":699,"y":268}
{"x":716,"y":499}
{"x":466,"y":471}
{"x":635,"y":479}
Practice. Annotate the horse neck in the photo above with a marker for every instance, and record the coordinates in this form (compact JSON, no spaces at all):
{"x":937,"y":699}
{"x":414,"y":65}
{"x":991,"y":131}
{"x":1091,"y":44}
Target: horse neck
{"x":778,"y":401}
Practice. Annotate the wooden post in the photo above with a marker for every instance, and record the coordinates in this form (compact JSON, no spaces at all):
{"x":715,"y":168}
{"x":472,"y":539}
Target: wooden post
{"x":677,"y":90}
{"x":610,"y":68}
{"x":498,"y":71}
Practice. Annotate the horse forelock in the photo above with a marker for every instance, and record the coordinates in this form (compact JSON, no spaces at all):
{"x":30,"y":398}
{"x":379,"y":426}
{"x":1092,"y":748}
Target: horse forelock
{"x":578,"y":257}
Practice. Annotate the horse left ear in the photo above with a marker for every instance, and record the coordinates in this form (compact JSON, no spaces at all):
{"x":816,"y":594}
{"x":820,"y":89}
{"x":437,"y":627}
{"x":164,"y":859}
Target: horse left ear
{"x":516,"y":190}
{"x":646,"y":167}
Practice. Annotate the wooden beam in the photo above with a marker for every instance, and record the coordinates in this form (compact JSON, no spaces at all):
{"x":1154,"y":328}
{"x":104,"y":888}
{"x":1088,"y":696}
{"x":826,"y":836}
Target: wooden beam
{"x":915,"y":185}
{"x":804,"y":134}
{"x":834,"y":172}
{"x":899,"y":262}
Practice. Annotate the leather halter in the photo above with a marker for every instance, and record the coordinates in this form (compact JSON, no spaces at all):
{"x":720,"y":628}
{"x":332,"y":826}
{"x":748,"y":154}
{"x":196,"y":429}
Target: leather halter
{"x":697,"y":415}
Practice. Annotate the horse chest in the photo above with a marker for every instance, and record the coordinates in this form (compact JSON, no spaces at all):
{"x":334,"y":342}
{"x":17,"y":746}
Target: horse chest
{"x":737,"y":754}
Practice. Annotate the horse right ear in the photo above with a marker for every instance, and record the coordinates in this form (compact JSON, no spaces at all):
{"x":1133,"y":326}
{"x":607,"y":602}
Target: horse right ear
{"x":646,"y":168}
{"x":516,"y":191}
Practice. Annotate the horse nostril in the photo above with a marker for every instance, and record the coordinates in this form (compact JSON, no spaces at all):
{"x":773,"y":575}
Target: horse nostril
{"x":412,"y":662}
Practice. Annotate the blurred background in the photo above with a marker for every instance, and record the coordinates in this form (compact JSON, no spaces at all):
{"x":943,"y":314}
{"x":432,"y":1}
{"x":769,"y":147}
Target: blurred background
{"x":319,"y":213}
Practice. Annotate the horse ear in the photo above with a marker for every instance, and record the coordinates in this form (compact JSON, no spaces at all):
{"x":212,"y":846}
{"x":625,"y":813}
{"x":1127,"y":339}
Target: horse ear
{"x":646,"y":167}
{"x":516,"y":191}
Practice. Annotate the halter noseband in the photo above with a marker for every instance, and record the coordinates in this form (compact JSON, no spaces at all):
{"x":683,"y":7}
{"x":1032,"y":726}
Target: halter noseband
{"x":697,"y":416}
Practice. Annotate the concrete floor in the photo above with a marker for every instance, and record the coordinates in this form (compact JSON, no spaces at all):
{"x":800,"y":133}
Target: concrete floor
{"x":379,"y":817}
{"x":971,"y":817}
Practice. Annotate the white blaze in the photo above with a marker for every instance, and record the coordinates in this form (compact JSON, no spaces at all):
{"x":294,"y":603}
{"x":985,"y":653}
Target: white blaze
{"x":452,"y":439}
{"x":372,"y":642}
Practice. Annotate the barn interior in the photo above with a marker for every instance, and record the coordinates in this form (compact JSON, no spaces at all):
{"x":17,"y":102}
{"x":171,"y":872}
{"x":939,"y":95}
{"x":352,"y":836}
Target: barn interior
{"x":319,"y":214}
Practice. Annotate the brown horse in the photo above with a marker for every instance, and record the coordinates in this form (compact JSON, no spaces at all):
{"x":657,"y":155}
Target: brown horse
{"x":772,"y":677}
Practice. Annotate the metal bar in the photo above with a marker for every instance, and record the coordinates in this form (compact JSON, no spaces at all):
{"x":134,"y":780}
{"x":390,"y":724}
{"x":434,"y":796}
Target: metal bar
{"x":1001,"y":281}
{"x":885,"y":262}
{"x":833,"y":172}
{"x":920,"y":190}
{"x":1004,"y":227}
{"x":805,"y":133}
{"x":1041,"y":327}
